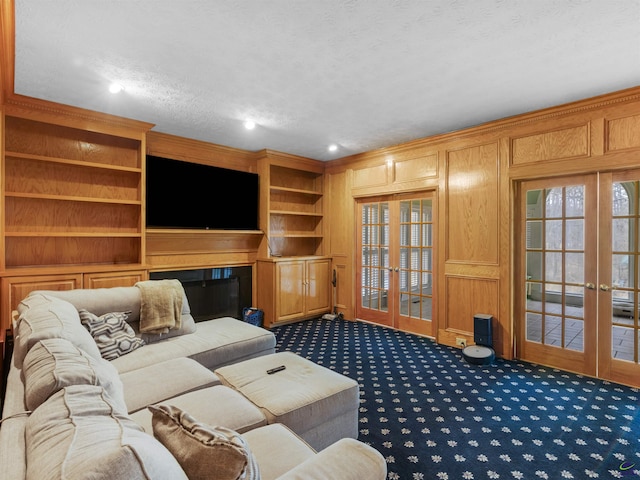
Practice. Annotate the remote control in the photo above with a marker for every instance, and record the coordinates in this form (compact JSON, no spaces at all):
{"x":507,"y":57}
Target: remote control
{"x":276,"y":369}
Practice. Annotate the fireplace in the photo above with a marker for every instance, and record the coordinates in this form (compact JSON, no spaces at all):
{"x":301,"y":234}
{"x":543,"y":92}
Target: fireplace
{"x":214,"y":292}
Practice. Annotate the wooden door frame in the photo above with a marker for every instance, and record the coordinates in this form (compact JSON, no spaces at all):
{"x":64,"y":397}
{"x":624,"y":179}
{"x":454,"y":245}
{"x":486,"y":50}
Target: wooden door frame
{"x":609,"y":368}
{"x":392,"y":315}
{"x":580,"y":362}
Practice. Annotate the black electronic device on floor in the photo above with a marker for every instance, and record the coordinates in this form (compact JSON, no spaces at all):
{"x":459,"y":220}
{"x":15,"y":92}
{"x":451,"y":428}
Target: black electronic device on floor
{"x":482,"y":352}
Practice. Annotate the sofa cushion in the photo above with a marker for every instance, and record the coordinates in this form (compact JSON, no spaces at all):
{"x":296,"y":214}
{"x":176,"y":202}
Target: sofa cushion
{"x":277,"y":449}
{"x":122,"y":299}
{"x":156,"y":383}
{"x":111,"y":332}
{"x":80,"y":432}
{"x":217,"y":405}
{"x":217,"y":342}
{"x":43,"y":316}
{"x":203,"y":451}
{"x":55,"y":363}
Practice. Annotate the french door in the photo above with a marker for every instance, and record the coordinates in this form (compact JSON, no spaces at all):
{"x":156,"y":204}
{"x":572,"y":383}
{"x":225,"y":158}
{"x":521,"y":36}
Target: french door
{"x":578,"y":288}
{"x":396,"y":262}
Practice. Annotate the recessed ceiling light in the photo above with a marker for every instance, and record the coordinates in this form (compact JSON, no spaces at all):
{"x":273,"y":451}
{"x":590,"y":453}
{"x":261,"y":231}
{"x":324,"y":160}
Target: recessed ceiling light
{"x":115,"y":88}
{"x":333,"y":147}
{"x":249,"y":124}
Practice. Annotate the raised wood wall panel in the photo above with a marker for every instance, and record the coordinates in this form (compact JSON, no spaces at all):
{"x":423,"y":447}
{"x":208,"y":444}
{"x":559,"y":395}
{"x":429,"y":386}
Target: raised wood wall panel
{"x":623,"y":133}
{"x":180,"y":241}
{"x":340,"y":214}
{"x":418,"y":168}
{"x":14,"y":289}
{"x":551,"y":145}
{"x":188,"y":261}
{"x":480,"y":296}
{"x":472,"y":198}
{"x":113,"y":279}
{"x":377,"y":175}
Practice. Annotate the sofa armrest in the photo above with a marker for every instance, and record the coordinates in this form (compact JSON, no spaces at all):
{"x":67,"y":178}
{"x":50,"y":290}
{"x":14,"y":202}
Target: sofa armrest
{"x":346,"y":459}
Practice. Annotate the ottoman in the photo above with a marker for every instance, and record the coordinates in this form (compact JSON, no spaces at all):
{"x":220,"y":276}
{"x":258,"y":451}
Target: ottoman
{"x":318,"y":404}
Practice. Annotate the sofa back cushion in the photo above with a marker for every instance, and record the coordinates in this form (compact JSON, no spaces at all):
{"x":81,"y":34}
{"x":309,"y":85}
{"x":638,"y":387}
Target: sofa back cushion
{"x":55,"y":363}
{"x":122,"y":299}
{"x":43,"y":316}
{"x":80,"y":432}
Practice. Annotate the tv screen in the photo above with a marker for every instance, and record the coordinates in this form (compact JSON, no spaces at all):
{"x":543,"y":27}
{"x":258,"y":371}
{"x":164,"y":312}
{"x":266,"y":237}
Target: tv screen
{"x":196,"y":196}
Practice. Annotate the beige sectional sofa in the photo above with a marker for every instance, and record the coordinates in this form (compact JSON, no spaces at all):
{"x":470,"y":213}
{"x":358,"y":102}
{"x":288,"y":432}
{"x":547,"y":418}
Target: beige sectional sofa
{"x":70,"y":413}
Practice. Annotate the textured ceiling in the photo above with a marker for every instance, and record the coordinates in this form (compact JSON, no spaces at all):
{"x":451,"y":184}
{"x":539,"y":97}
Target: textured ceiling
{"x":362,"y":74}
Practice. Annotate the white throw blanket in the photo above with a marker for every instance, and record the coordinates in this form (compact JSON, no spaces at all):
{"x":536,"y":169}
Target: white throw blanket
{"x":160,"y":306}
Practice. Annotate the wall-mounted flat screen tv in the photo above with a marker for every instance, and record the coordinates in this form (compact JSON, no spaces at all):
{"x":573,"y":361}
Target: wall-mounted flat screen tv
{"x":190,"y":195}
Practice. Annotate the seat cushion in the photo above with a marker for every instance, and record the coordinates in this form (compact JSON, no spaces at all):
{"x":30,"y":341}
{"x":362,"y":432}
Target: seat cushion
{"x":155,"y":383}
{"x":217,"y":405}
{"x":318,"y":404}
{"x":277,"y":449}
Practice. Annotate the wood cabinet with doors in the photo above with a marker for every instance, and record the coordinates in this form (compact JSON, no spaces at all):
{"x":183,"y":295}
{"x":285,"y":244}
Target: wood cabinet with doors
{"x":294,"y":288}
{"x":293,"y":276}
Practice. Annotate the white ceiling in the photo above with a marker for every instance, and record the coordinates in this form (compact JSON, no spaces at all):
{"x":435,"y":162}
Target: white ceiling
{"x":363,"y":74}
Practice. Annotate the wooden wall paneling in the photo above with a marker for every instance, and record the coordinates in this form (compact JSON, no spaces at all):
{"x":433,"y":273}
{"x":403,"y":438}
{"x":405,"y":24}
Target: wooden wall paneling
{"x":200,"y":248}
{"x":7,"y":49}
{"x":341,"y":234}
{"x":506,"y":207}
{"x":573,"y":142}
{"x":3,"y":265}
{"x":622,"y":133}
{"x":265,"y":280}
{"x":372,"y":176}
{"x":415,"y":165}
{"x":472,"y":197}
{"x":113,"y":279}
{"x":480,"y":295}
{"x":14,"y":289}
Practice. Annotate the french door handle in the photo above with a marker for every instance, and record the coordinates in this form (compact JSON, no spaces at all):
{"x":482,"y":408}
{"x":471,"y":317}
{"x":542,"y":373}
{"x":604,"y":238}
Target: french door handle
{"x":604,"y":287}
{"x":590,"y":286}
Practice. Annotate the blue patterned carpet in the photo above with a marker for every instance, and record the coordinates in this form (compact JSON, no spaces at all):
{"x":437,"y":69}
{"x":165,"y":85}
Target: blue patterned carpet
{"x":434,"y":416}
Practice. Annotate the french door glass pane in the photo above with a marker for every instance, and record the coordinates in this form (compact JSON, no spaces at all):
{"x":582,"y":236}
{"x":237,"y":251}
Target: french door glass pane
{"x":625,"y":330}
{"x":555,"y":267}
{"x":416,"y":264}
{"x":375,"y":255}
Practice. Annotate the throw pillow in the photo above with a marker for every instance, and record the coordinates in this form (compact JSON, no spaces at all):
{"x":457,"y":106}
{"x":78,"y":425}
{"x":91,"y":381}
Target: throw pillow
{"x":111,"y":332}
{"x":203,"y":451}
